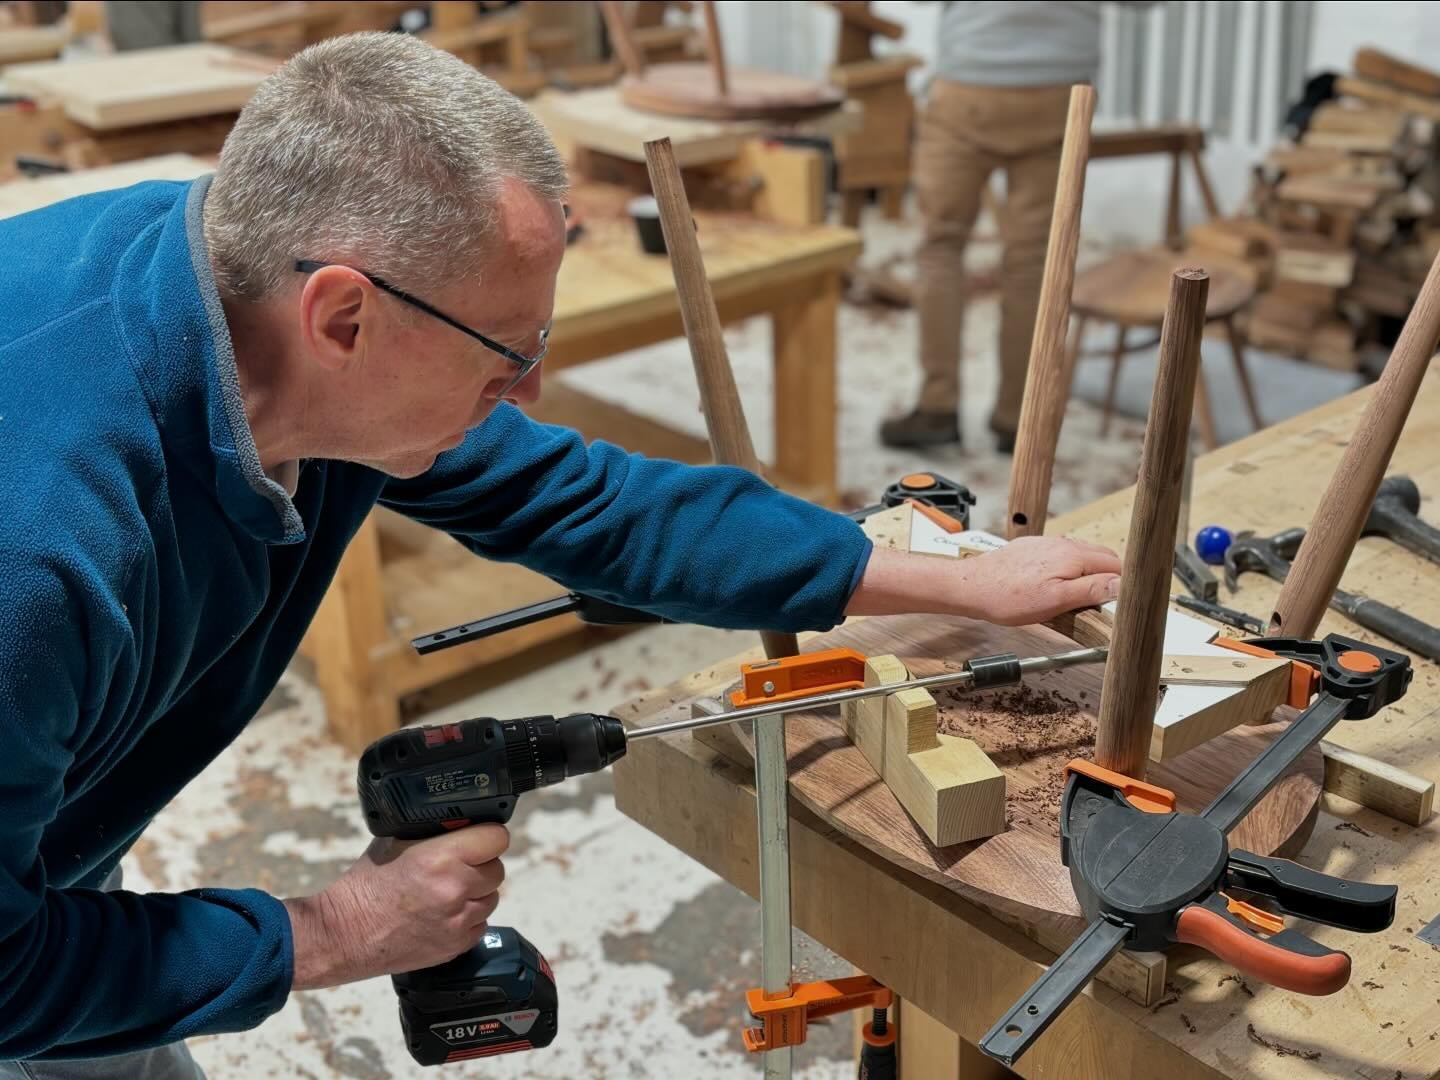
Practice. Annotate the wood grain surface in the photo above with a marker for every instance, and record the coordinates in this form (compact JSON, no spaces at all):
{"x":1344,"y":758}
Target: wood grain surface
{"x":933,"y":948}
{"x":1132,"y":677}
{"x":689,"y":89}
{"x":1047,"y":385}
{"x":1340,"y":514}
{"x":1132,"y":287}
{"x":146,"y":86}
{"x":719,"y":397}
{"x":1017,"y":874}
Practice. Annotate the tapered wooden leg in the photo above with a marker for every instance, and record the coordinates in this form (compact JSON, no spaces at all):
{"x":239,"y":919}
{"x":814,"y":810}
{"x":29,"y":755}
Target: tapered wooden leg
{"x":1237,"y":350}
{"x":1072,"y":352}
{"x":1114,"y":383}
{"x":892,"y":202}
{"x":1174,"y":234}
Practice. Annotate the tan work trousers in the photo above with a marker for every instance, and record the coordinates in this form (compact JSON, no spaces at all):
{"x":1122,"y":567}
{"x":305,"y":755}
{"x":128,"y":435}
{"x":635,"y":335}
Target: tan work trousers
{"x":967,"y":132}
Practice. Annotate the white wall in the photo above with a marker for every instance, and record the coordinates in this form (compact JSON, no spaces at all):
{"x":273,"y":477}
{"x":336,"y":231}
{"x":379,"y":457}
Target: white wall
{"x":1408,"y":29}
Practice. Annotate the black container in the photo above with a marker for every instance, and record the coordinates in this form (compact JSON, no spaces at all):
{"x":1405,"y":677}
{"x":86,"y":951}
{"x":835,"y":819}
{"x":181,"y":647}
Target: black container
{"x":646,"y":212}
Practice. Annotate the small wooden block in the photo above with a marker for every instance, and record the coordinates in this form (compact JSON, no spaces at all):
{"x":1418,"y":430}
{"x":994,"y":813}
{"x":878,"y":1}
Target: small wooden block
{"x":1266,"y":685}
{"x":1216,"y":670}
{"x":1384,"y":788}
{"x":947,"y":784}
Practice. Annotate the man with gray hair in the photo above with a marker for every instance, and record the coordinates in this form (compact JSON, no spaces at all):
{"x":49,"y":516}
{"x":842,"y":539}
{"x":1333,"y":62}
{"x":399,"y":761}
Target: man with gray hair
{"x":204,"y":389}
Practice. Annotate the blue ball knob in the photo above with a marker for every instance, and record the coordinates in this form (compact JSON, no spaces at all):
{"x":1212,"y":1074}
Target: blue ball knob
{"x":1211,"y":543}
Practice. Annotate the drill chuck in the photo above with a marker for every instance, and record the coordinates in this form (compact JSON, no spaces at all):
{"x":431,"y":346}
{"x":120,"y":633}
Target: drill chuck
{"x":544,"y":750}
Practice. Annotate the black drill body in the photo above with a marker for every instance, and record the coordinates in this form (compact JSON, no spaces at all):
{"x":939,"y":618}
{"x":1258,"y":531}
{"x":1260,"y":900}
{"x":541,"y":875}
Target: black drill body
{"x":499,"y":996}
{"x":418,"y":782}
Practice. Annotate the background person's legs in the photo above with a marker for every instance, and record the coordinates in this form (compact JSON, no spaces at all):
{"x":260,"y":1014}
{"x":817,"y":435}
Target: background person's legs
{"x":950,"y":171}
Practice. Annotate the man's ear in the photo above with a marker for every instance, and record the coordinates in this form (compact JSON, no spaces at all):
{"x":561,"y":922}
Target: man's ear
{"x":337,"y":305}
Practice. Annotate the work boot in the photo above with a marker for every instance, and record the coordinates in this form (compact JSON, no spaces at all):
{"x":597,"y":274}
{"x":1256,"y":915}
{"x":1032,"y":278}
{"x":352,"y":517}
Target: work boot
{"x":920,"y":429}
{"x":1004,"y":439}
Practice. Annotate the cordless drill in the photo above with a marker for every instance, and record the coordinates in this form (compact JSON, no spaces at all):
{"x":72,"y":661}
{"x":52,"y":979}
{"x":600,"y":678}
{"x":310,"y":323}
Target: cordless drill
{"x":498,"y":997}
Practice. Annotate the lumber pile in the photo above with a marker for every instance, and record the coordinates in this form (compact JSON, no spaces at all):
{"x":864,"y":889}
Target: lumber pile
{"x":1342,"y":221}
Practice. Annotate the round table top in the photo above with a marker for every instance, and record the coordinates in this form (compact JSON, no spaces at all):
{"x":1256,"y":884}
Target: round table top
{"x":688,"y":89}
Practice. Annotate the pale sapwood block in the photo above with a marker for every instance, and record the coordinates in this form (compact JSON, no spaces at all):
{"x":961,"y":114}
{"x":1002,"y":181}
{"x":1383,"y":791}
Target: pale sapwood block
{"x":1265,"y":684}
{"x":1384,"y":788}
{"x":947,"y":784}
{"x":1235,"y":670}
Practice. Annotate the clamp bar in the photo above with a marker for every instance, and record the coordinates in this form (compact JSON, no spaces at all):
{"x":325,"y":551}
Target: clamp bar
{"x":1046,"y":999}
{"x":1247,"y":789}
{"x":976,"y":675}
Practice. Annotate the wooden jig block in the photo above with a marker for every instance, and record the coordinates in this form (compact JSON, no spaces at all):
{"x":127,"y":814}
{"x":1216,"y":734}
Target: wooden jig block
{"x":947,"y":784}
{"x":1261,"y":686}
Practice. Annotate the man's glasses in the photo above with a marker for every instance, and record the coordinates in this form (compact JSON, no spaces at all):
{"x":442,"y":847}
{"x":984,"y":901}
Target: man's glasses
{"x":523,"y":364}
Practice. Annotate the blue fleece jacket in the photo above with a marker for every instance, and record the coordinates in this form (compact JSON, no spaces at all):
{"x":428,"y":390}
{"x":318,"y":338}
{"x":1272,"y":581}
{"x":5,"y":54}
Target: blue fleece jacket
{"x":155,"y":583}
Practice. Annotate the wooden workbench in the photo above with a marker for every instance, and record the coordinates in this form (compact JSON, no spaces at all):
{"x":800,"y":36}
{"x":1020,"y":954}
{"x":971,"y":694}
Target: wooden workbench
{"x":30,"y":44}
{"x":178,"y":99}
{"x":21,"y":196}
{"x":597,"y":119}
{"x":957,"y":968}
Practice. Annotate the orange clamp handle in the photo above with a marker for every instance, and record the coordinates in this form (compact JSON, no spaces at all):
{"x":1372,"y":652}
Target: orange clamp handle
{"x":939,"y":517}
{"x":792,"y":677}
{"x":1322,"y":972}
{"x":785,"y":1019}
{"x":1148,"y":797}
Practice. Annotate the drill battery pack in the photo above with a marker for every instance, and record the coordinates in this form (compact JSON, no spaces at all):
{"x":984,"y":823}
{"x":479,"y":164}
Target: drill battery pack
{"x":497,"y":998}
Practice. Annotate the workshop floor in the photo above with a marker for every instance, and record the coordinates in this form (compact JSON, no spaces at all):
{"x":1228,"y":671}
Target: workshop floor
{"x":652,"y":952}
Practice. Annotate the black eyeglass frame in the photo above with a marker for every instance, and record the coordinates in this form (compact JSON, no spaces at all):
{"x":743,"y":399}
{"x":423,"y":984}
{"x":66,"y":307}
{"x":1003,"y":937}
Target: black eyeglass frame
{"x":523,"y":364}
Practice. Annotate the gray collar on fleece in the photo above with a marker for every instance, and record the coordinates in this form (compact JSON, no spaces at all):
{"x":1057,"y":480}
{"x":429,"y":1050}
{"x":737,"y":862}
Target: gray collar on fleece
{"x":245,"y":452}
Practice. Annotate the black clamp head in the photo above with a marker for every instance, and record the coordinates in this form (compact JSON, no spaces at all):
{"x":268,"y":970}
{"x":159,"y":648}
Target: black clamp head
{"x":1366,"y":676}
{"x":1134,"y":867}
{"x":935,"y":490}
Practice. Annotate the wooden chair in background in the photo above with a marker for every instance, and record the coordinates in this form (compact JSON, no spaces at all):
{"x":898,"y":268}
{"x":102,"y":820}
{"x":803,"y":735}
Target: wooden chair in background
{"x":1129,"y":290}
{"x":877,"y":157}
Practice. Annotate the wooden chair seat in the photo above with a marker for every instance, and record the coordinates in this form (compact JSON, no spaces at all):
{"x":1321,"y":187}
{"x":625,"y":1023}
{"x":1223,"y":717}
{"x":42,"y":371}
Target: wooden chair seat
{"x":1129,"y":290}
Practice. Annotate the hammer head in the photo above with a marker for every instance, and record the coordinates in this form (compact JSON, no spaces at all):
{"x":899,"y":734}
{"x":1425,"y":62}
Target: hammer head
{"x":1269,"y":555}
{"x":1396,"y":493}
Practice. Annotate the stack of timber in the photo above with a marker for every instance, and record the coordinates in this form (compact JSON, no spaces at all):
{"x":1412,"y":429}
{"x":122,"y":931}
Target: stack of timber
{"x":1342,"y":221}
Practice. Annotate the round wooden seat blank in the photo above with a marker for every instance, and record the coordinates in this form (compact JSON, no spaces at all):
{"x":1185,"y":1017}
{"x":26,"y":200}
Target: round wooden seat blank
{"x":1131,"y":288}
{"x":1017,"y":874}
{"x":689,"y":89}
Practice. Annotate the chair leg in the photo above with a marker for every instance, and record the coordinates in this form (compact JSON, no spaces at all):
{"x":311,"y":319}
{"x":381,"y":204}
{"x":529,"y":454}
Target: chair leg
{"x":1237,"y":350}
{"x":1202,"y":411}
{"x":1072,"y":353}
{"x":1113,"y":385}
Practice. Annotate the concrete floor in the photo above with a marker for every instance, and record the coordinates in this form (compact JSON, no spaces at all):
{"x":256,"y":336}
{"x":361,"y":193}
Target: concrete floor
{"x":651,"y":952}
